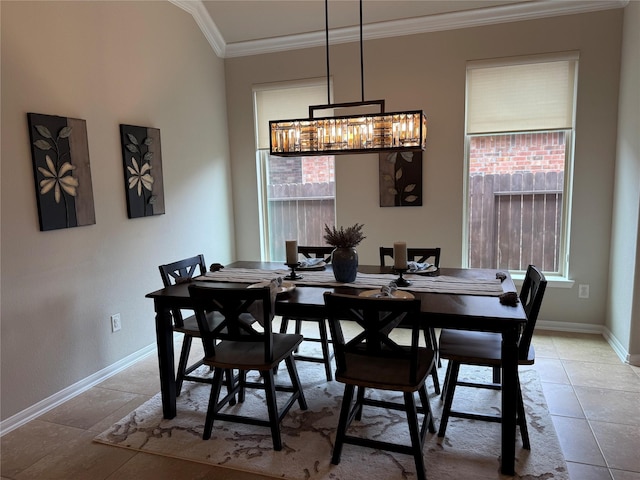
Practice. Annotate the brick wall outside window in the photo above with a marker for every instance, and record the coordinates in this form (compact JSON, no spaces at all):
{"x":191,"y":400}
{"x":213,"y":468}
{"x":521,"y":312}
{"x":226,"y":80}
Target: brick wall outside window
{"x":533,"y":152}
{"x":288,"y":170}
{"x":285,"y":170}
{"x":317,"y":170}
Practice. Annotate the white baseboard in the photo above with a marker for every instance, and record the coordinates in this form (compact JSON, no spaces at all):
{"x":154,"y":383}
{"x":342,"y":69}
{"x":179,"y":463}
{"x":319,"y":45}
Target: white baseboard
{"x":74,"y":390}
{"x":569,"y":327}
{"x":622,"y":352}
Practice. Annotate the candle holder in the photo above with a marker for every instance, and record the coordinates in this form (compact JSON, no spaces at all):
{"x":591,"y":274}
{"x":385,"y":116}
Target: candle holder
{"x":293,"y":275}
{"x":402,"y":282}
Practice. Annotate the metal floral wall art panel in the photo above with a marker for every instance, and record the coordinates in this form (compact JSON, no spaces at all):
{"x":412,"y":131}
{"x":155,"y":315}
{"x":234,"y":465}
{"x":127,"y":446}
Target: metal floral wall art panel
{"x":62,"y":174}
{"x":401,"y":179}
{"x":142,"y":159}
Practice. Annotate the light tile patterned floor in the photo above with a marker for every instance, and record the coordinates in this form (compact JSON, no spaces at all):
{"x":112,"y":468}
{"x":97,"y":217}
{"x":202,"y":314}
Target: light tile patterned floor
{"x":593,"y":398}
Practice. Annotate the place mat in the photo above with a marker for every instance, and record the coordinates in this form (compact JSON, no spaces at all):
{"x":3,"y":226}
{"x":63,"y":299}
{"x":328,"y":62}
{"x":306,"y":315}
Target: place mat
{"x":471,"y":449}
{"x":441,"y":284}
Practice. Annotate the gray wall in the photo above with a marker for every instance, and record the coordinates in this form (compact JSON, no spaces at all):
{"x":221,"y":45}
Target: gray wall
{"x":427,"y":71}
{"x":623,"y":313}
{"x":114,"y":62}
{"x":107,"y":63}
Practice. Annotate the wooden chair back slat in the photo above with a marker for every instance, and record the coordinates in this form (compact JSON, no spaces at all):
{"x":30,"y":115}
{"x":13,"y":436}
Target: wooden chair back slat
{"x":420,"y":255}
{"x":377,"y":317}
{"x":181,"y":271}
{"x":323,"y":252}
{"x":531,"y":295}
{"x":238,"y":307}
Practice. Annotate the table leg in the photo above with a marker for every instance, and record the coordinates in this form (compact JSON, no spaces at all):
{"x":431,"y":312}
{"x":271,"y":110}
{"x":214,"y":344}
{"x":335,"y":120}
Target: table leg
{"x":509,"y":399}
{"x":164,"y":338}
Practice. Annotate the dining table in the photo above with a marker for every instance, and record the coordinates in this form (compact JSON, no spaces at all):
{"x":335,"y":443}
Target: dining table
{"x":456,"y":298}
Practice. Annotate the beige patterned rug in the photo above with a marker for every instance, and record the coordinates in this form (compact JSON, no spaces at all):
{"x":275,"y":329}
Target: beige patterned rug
{"x":470,"y":449}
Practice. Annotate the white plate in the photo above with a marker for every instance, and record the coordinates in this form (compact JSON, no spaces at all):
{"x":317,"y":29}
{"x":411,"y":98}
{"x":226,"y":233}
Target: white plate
{"x":379,"y":294}
{"x":317,"y":266}
{"x":285,"y":287}
{"x":427,"y":271}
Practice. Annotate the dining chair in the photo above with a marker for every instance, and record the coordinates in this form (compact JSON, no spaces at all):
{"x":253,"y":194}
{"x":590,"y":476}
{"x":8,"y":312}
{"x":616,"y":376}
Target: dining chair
{"x":323,"y":252}
{"x":316,"y":252}
{"x":421,"y":255}
{"x":183,"y":271}
{"x":180,"y":272}
{"x":484,"y":349}
{"x":373,"y":360}
{"x":235,"y":344}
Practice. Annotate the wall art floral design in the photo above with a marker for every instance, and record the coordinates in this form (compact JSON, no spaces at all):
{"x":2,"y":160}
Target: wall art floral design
{"x":61,"y":169}
{"x":401,"y":179}
{"x":142,"y":159}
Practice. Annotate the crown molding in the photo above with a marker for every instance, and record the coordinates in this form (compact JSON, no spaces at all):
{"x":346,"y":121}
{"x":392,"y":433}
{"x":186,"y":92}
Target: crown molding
{"x":433,"y":23}
{"x":206,"y":24}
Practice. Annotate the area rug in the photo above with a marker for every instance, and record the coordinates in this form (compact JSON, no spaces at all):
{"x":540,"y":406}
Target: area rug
{"x":470,"y":449}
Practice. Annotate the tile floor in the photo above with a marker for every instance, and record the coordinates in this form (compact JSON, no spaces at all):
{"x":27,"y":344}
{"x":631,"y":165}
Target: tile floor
{"x":594,"y":400}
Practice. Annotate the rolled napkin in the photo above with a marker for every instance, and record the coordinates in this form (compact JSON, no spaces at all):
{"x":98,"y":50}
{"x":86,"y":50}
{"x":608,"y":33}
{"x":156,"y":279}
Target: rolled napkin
{"x":509,"y":298}
{"x":417,"y":266}
{"x":310,"y":262}
{"x":387,"y":290}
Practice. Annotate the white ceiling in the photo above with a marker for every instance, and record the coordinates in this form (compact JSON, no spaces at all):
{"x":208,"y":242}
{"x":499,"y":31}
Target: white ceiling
{"x":247,"y":27}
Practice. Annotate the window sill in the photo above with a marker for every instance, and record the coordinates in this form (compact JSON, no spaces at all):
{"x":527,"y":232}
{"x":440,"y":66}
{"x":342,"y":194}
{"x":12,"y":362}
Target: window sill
{"x":553,"y":281}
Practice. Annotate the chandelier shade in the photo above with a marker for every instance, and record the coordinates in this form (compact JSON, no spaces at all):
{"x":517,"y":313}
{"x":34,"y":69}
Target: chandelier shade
{"x":348,"y":134}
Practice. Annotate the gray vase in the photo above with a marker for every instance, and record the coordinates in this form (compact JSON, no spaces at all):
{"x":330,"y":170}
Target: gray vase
{"x":345,"y":264}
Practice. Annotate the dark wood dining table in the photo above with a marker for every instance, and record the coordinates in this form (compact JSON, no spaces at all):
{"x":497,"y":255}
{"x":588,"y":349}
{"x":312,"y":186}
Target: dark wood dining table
{"x":443,"y":310}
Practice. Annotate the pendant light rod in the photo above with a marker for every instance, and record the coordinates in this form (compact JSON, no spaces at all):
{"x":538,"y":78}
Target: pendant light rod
{"x":361,"y":58}
{"x":344,"y":134}
{"x":326,"y":34}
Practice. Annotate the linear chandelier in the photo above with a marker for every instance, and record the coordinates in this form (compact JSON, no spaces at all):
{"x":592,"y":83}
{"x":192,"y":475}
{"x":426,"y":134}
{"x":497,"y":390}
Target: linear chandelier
{"x":348,"y":134}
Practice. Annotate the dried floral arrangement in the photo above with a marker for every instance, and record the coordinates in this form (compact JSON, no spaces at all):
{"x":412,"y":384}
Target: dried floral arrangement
{"x":344,"y":237}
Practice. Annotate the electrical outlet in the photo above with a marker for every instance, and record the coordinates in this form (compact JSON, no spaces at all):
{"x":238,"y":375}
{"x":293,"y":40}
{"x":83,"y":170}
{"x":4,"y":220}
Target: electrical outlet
{"x":583,"y":291}
{"x":116,"y":325}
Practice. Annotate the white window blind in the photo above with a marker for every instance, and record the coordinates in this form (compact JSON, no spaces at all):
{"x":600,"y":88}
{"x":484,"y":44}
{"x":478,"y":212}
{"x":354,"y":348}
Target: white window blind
{"x":283,"y":102}
{"x":520,"y":97}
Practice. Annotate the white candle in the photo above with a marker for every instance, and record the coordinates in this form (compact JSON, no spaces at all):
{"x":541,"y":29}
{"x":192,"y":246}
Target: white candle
{"x":292,"y":251}
{"x":400,"y":255}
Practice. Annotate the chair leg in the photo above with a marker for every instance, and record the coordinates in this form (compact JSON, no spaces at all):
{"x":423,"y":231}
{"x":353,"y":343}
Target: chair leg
{"x":295,"y":381}
{"x":522,"y":420}
{"x":497,"y":375}
{"x":342,"y":423}
{"x":426,"y":407}
{"x":242,"y":380}
{"x":436,"y":381}
{"x":432,"y":343}
{"x":182,"y":364}
{"x":272,"y":408}
{"x":297,"y":329}
{"x":450,"y":381}
{"x":414,"y":433}
{"x":324,"y":341}
{"x":230,"y":384}
{"x":445,"y":384}
{"x":284,"y":324}
{"x":359,"y":403}
{"x":213,"y":407}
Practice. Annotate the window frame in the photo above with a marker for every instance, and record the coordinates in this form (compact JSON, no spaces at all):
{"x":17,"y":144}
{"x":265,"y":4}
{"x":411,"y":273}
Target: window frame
{"x":262,"y":154}
{"x":559,"y":278}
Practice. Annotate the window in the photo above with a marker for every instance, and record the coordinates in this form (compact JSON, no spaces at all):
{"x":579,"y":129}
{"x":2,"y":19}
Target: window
{"x":297,"y":194}
{"x":518,"y":157}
